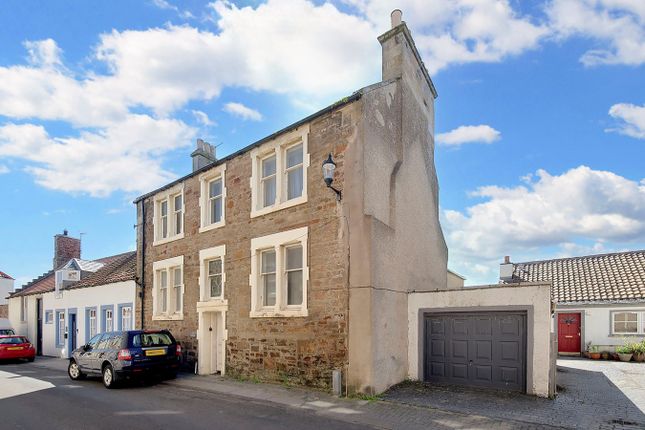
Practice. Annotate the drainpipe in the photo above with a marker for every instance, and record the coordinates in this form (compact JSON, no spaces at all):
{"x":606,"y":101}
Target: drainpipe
{"x":143,"y":260}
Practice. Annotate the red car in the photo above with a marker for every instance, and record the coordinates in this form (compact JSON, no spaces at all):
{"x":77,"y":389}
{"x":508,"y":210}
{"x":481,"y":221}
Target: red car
{"x":15,"y":347}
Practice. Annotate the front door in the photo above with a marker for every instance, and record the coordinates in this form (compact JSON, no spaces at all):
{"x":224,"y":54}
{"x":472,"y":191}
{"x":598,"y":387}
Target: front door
{"x":72,"y":334}
{"x":210,"y":346}
{"x":569,"y":333}
{"x":39,"y":326}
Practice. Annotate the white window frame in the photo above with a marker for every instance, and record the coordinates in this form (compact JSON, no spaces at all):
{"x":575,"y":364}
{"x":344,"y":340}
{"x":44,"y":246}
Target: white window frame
{"x":167,"y":265}
{"x":109,"y":320}
{"x":93,"y":326}
{"x":279,"y":242}
{"x":49,"y":317}
{"x":206,"y":255}
{"x":640,"y":322}
{"x":278,"y":147}
{"x":205,"y":179}
{"x":60,"y":327}
{"x":125,"y":327}
{"x":169,"y":197}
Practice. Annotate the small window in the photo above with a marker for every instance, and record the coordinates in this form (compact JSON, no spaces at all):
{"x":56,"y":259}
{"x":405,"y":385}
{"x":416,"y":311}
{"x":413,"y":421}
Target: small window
{"x":215,"y":277}
{"x":294,"y":172}
{"x":215,"y":201}
{"x":625,"y":322}
{"x":23,"y":308}
{"x":109,"y":318}
{"x":268,"y":277}
{"x":268,"y":181}
{"x":49,"y":317}
{"x":177,"y":288}
{"x":179,"y":214}
{"x":92,"y":321}
{"x":60,"y":334}
{"x":164,"y":219}
{"x":126,"y":318}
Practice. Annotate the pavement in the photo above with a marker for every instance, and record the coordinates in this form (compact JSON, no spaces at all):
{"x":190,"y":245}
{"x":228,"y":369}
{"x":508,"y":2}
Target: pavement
{"x":594,"y":395}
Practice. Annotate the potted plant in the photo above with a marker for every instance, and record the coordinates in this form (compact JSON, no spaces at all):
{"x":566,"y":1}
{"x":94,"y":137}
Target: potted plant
{"x":605,"y":355}
{"x":639,"y":351}
{"x":624,"y":353}
{"x":593,"y":352}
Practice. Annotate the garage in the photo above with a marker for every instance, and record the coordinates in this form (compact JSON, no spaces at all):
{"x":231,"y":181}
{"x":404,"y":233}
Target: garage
{"x":485,"y":349}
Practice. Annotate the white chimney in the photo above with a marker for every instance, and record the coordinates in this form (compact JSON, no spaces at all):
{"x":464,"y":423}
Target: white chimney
{"x":506,"y":270}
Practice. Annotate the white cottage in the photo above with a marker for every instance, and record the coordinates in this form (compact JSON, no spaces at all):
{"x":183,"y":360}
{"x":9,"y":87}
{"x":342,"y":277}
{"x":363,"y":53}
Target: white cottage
{"x":600,"y":299}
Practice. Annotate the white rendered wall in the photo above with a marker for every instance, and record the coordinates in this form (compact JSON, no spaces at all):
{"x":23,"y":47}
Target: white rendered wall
{"x":80,"y":299}
{"x":597,"y":325}
{"x":6,"y":287}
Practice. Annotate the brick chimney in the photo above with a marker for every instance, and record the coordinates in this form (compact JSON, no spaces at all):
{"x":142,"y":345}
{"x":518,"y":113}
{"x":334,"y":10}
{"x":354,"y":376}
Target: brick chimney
{"x":203,"y":155}
{"x":65,"y":248}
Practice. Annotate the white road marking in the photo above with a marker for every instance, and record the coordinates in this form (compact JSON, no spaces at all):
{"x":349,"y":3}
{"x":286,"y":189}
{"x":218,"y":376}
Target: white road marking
{"x":12,"y":384}
{"x":162,"y":412}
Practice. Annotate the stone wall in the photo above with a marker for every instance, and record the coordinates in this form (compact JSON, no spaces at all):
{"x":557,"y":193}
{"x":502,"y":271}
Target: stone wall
{"x":4,"y":311}
{"x":298,"y":349}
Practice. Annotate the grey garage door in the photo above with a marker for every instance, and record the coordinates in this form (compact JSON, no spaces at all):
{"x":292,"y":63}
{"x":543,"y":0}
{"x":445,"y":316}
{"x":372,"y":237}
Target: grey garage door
{"x":480,"y":349}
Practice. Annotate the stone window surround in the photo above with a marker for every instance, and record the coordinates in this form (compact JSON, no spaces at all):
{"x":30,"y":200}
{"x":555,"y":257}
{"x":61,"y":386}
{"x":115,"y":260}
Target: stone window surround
{"x":165,"y":265}
{"x":279,"y":147}
{"x":278,"y":241}
{"x":168,"y":195}
{"x":204,"y":180}
{"x":205,"y":255}
{"x":640,"y":322}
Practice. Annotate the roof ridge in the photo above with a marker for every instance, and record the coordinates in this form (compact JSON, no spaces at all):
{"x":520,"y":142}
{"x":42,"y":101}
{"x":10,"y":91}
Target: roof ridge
{"x":580,"y":257}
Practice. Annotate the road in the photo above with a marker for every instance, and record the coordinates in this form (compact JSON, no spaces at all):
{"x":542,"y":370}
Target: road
{"x":33,"y":397}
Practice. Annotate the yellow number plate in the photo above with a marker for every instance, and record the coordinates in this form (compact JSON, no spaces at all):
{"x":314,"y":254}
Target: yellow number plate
{"x":15,"y":348}
{"x":153,"y":352}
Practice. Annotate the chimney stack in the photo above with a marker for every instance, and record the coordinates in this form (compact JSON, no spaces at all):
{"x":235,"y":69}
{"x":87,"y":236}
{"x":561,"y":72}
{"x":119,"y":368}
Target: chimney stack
{"x":395,"y":17}
{"x":507,"y":259}
{"x":506,"y":270}
{"x":65,"y":248}
{"x":203,"y":155}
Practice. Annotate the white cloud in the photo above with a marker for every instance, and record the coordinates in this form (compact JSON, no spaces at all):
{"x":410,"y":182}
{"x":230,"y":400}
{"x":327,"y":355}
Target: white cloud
{"x":619,"y":24}
{"x":460,"y":31}
{"x":4,"y":169}
{"x":633,"y":118}
{"x":44,"y":53}
{"x":241,"y":111}
{"x":469,"y":134}
{"x":163,"y":4}
{"x":581,"y":204}
{"x":203,"y":118}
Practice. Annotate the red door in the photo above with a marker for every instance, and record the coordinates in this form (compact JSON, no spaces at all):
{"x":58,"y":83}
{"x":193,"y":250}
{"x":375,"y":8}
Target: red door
{"x":569,"y":333}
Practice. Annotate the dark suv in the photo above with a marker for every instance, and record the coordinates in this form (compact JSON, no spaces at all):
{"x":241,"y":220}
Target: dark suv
{"x":126,"y":354}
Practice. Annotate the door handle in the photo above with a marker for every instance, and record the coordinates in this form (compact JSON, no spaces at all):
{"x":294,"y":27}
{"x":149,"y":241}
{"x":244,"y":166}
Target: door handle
{"x":569,"y":337}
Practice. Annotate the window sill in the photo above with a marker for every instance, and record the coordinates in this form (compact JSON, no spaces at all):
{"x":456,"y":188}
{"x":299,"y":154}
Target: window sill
{"x":278,"y":207}
{"x":271,"y":313}
{"x":212,"y":226}
{"x":174,"y":317}
{"x":168,"y":239}
{"x":627,"y":335}
{"x":215,"y":304}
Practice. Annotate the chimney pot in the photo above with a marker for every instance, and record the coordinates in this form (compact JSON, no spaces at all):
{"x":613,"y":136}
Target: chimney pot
{"x":65,"y":232}
{"x":396,"y":16}
{"x":507,"y":259}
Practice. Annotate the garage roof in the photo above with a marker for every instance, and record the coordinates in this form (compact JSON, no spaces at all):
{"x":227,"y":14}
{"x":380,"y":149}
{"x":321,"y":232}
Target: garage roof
{"x":616,"y":277}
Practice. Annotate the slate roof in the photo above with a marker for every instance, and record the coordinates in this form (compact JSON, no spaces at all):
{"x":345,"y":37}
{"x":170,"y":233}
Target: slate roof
{"x":47,"y":281}
{"x":120,"y":269}
{"x":4,"y":275}
{"x":607,"y":278}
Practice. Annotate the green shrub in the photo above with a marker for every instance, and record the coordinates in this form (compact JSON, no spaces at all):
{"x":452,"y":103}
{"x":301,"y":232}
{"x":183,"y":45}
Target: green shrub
{"x":624,"y":349}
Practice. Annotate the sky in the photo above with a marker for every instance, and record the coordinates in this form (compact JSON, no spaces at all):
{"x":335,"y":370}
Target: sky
{"x":540,"y":119}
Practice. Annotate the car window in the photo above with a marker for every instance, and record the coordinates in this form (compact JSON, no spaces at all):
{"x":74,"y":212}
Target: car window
{"x":115,"y":342}
{"x":104,"y":341}
{"x":6,"y":331}
{"x":13,"y":340}
{"x":92,"y":343}
{"x":151,"y":339}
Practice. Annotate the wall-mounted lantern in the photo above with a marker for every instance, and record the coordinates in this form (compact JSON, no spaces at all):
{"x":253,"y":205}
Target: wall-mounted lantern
{"x":329,"y":167}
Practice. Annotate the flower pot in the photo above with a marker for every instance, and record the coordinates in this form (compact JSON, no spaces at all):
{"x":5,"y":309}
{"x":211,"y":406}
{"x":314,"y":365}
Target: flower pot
{"x":605,"y":355}
{"x":595,"y":355}
{"x":625,"y":357}
{"x":639,"y":356}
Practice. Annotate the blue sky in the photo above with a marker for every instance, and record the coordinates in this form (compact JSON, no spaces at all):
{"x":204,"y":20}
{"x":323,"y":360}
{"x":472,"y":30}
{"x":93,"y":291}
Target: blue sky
{"x":540,"y":120}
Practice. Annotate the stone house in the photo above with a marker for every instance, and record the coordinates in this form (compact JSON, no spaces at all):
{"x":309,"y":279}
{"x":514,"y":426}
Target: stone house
{"x":271,"y":263}
{"x":261,"y":270}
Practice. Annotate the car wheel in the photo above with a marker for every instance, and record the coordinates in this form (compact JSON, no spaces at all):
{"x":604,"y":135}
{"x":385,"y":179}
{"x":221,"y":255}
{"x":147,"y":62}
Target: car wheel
{"x":109,"y":377}
{"x":31,"y":359}
{"x":74,"y":371}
